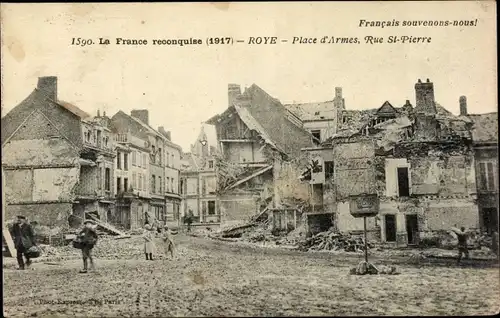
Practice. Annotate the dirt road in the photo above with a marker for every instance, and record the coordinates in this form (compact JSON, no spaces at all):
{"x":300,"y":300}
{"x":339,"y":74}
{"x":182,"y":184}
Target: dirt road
{"x":213,"y":278}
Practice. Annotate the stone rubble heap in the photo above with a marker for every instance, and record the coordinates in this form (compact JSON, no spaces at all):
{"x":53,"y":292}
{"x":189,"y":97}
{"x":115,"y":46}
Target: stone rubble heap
{"x":332,"y":241}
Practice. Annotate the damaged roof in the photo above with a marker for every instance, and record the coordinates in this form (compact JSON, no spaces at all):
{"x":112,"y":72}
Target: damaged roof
{"x":74,"y":109}
{"x":485,"y":127}
{"x":313,"y":111}
{"x":269,"y":118}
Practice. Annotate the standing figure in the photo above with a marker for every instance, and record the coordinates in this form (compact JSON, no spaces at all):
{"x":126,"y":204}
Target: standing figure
{"x":149,"y":245}
{"x":24,"y":238}
{"x":168,"y":241}
{"x":88,"y":236}
{"x":462,"y":244}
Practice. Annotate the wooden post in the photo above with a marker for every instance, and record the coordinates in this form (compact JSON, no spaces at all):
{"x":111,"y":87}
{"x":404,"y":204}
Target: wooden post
{"x":366,"y":245}
{"x":295,"y":218}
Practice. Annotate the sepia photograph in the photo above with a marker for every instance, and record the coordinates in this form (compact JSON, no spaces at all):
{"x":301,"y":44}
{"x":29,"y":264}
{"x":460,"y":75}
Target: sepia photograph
{"x":245,"y":159}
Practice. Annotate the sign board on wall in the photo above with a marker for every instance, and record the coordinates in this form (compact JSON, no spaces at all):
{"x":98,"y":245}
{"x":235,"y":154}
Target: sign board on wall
{"x":366,"y":205}
{"x":317,"y":169}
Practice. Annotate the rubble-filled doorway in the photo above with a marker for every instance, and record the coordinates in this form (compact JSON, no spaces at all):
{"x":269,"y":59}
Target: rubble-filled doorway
{"x":490,"y":219}
{"x":390,"y":228}
{"x":412,"y":229}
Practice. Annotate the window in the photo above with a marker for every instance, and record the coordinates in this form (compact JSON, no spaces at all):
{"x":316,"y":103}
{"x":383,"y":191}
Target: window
{"x":118,"y":161}
{"x":99,"y":138}
{"x":204,"y":186}
{"x":329,"y":169}
{"x":486,"y":176}
{"x":140,"y":181}
{"x":316,"y":134}
{"x":145,"y":182}
{"x":153,"y":154}
{"x":125,"y":184}
{"x":118,"y":184}
{"x":99,"y":179}
{"x":168,"y":161}
{"x":107,"y":179}
{"x":153,"y":186}
{"x":159,"y":186}
{"x":173,"y":158}
{"x":316,"y":113}
{"x":134,"y":158}
{"x":182,"y":186}
{"x":172,"y":185}
{"x":125,"y":161}
{"x":144,"y":160}
{"x":159,"y":156}
{"x":403,"y":182}
{"x":139,"y":161}
{"x":211,"y":207}
{"x":210,"y":164}
{"x":134,"y":180}
{"x":167,"y":184}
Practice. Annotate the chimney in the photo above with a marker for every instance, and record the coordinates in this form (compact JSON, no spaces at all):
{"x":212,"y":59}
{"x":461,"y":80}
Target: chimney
{"x":98,"y":113}
{"x":48,"y":85}
{"x":233,"y":91}
{"x":338,"y":92}
{"x":165,"y":133}
{"x":424,"y":93}
{"x":104,"y":113}
{"x":141,"y":114}
{"x":463,"y":105}
{"x":338,"y":101}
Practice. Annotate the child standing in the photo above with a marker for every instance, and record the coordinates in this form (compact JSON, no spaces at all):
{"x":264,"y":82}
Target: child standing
{"x":169,"y":243}
{"x":149,"y":245}
{"x":88,"y":237}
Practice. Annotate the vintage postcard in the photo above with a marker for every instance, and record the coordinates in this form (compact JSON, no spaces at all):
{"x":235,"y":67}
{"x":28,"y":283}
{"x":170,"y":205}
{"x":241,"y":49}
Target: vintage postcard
{"x":249,"y":159}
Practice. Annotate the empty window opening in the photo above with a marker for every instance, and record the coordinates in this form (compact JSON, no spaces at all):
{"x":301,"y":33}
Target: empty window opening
{"x":403,"y":182}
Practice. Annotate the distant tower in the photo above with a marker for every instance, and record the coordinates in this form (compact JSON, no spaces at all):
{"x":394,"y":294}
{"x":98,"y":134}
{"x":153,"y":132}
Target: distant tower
{"x":463,"y":105}
{"x":424,"y":93}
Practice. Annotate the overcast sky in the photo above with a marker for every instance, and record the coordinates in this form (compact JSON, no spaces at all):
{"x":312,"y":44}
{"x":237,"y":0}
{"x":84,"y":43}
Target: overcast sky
{"x":184,"y":86}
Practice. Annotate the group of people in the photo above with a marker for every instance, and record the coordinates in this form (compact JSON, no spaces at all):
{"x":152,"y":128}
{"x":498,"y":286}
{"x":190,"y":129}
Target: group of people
{"x":24,"y":239}
{"x":149,"y":235}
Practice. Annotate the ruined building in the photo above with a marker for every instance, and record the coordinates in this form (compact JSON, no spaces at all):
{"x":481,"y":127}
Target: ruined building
{"x":256,"y":134}
{"x":419,"y":161}
{"x":52,"y":151}
{"x":198,"y":180}
{"x":147,"y":171}
{"x":320,"y":119}
{"x":485,"y":143}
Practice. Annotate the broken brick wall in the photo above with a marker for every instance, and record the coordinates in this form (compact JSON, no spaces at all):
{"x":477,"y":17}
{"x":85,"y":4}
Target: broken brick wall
{"x":53,"y":215}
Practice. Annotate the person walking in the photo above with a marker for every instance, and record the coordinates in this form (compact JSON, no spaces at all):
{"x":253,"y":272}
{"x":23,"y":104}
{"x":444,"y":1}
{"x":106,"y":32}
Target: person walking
{"x":169,"y":246}
{"x":24,"y":239}
{"x":149,"y":245}
{"x":88,"y":236}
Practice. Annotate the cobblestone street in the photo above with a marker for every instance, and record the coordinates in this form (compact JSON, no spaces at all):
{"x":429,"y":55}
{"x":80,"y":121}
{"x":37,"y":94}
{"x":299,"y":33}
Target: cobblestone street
{"x":212,"y":278}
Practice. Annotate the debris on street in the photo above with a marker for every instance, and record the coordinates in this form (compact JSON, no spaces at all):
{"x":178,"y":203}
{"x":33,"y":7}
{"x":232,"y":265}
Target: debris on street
{"x":332,"y":241}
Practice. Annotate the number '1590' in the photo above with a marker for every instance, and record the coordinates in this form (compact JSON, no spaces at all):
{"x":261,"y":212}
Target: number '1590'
{"x":81,"y":42}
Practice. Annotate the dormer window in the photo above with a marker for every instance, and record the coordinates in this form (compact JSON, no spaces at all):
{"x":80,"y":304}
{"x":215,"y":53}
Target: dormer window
{"x":316,"y":114}
{"x":210,"y":164}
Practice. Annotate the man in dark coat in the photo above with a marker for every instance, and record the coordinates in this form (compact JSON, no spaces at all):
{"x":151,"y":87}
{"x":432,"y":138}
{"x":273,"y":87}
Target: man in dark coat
{"x":89,"y":238}
{"x":24,"y":238}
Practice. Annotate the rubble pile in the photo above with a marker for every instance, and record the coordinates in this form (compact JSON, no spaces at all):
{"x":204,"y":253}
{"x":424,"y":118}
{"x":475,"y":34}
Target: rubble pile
{"x":365,"y":268}
{"x":332,"y":241}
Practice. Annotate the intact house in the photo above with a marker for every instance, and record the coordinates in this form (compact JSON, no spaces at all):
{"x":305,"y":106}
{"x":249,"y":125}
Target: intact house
{"x":321,"y":119}
{"x":147,"y":171}
{"x":198,"y":181}
{"x":256,"y":135}
{"x":53,"y":153}
{"x":419,"y":162}
{"x":485,"y":138}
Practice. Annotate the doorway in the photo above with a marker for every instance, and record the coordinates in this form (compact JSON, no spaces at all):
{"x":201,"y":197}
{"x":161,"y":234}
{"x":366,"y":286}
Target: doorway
{"x":490,"y":220}
{"x":390,"y":228}
{"x":412,"y":229}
